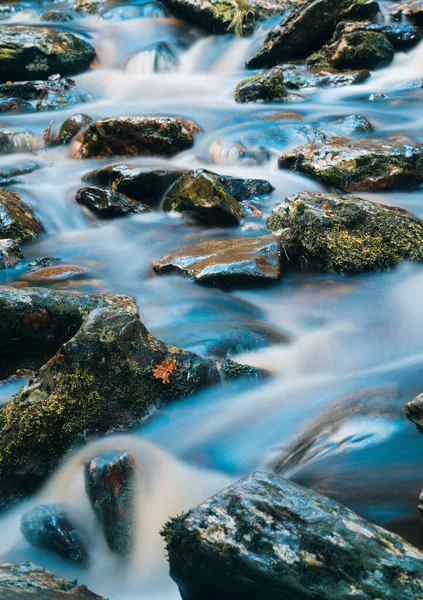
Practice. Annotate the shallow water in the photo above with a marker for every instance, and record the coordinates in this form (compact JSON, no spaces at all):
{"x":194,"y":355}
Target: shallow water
{"x":354,"y":337}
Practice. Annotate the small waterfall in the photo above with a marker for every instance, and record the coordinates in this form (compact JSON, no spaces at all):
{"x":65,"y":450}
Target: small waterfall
{"x":157,"y":58}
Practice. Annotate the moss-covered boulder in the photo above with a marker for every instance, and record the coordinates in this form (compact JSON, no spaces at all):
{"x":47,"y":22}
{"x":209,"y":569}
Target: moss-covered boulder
{"x":347,"y":234}
{"x":226,"y":262}
{"x":223,"y":16}
{"x":266,"y":537}
{"x":265,"y":87}
{"x":201,"y":193}
{"x":10,"y":253}
{"x":298,"y":77}
{"x":112,"y":485}
{"x":55,"y":16}
{"x":89,"y":7}
{"x":16,"y":218}
{"x":49,"y":526}
{"x":364,"y":45}
{"x":135,"y":136}
{"x":108,"y":377}
{"x":71,"y":127}
{"x":360,"y":165}
{"x":34,"y":322}
{"x":307,"y":28}
{"x":108,"y":203}
{"x":37,"y":52}
{"x":26,"y":581}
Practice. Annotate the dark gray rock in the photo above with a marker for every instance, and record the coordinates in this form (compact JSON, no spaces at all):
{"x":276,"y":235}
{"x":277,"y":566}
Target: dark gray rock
{"x":26,"y":581}
{"x":10,"y":254}
{"x":110,"y":481}
{"x":34,"y":322}
{"x":16,"y":218}
{"x":48,"y":526}
{"x":266,"y":537}
{"x":71,"y":127}
{"x":348,"y":234}
{"x":201,"y":193}
{"x":26,"y":90}
{"x":307,"y":28}
{"x":108,"y":203}
{"x":226,"y":262}
{"x":36,"y":52}
{"x":244,"y":189}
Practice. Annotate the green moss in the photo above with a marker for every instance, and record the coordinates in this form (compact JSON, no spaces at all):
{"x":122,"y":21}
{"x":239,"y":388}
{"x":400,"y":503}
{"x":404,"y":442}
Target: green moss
{"x":237,"y":14}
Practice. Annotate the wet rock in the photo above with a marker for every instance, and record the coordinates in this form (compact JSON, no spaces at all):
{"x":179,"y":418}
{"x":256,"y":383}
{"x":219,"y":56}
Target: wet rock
{"x":200,"y":192}
{"x":34,"y":322}
{"x":364,"y":45}
{"x":224,"y":16}
{"x":350,"y":125}
{"x":56,"y":16}
{"x":110,"y":481}
{"x":228,"y":262}
{"x":307,"y":28}
{"x":266,"y":537}
{"x":108,"y":377}
{"x":347,"y":234}
{"x":58,"y":93}
{"x":10,"y":254}
{"x":40,"y":263}
{"x":16,"y":218}
{"x":15,"y":105}
{"x":230,"y":371}
{"x":36,"y":52}
{"x":143,"y":184}
{"x":267,"y":86}
{"x":135,"y":136}
{"x":8,"y":174}
{"x":378,"y":97}
{"x":27,"y":581}
{"x":53,"y":274}
{"x":26,"y":90}
{"x":298,"y":77}
{"x":108,"y":203}
{"x":71,"y":127}
{"x":244,"y":189}
{"x":414,"y":411}
{"x":89,"y":7}
{"x":360,"y":165}
{"x":48,"y":526}
{"x":412,"y":9}
{"x":12,"y":142}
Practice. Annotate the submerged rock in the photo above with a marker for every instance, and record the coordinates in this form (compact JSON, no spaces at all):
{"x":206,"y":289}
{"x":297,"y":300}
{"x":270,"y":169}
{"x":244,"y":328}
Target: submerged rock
{"x":10,"y":254}
{"x":108,"y":377}
{"x":108,"y":203}
{"x":266,"y":537}
{"x":201,"y":193}
{"x":307,"y":28}
{"x":110,"y":481}
{"x":157,"y":57}
{"x":71,"y":127}
{"x":267,"y":87}
{"x":298,"y":77}
{"x":347,"y":234}
{"x":48,"y":527}
{"x":34,"y":322}
{"x":228,"y":262}
{"x":51,"y":274}
{"x":15,"y":105}
{"x":56,"y":16}
{"x":36,"y":52}
{"x":414,"y":411}
{"x":27,"y":581}
{"x":360,"y":165}
{"x":349,"y":125}
{"x":135,"y":136}
{"x":16,"y":218}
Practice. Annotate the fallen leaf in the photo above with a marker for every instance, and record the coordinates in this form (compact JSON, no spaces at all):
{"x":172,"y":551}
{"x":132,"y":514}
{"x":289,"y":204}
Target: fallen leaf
{"x":165,"y":370}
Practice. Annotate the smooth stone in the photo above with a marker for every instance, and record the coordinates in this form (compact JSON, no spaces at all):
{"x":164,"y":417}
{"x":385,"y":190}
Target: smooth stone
{"x":71,"y":127}
{"x":414,"y":411}
{"x":54,"y":273}
{"x":108,"y":203}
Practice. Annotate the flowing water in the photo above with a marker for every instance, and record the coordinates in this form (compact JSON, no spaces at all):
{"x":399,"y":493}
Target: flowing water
{"x":332,"y":416}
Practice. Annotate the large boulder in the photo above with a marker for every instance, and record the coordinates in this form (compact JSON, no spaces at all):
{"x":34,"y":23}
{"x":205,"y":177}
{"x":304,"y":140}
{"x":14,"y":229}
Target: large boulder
{"x":201,"y":193}
{"x":108,"y":203}
{"x":135,"y":136}
{"x":108,"y":377}
{"x":16,"y":218}
{"x":359,"y":165}
{"x":307,"y":28}
{"x":36,"y":52}
{"x":226,"y":262}
{"x":348,"y":234}
{"x":266,"y":537}
{"x":34,"y":322}
{"x":26,"y":581}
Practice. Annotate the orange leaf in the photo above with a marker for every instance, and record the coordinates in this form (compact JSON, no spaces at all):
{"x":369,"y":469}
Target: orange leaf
{"x":165,"y":370}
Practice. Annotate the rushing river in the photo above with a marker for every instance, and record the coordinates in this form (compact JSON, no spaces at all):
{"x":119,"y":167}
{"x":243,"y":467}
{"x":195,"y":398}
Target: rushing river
{"x":355,"y":339}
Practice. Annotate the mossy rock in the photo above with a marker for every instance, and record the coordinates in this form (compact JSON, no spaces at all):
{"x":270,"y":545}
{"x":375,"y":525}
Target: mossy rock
{"x":266,"y":537}
{"x":136,"y":136}
{"x":89,"y":7}
{"x":34,"y":322}
{"x":346,"y":234}
{"x":71,"y":127}
{"x":265,"y":87}
{"x":360,"y":165}
{"x":56,"y":16}
{"x":306,"y":28}
{"x":105,"y":379}
{"x":201,"y":193}
{"x":16,"y":218}
{"x":37,"y":52}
